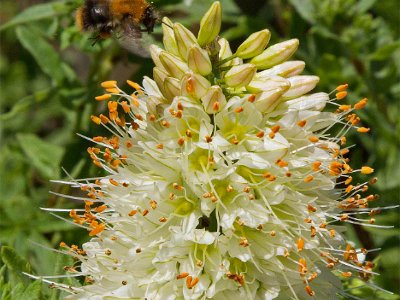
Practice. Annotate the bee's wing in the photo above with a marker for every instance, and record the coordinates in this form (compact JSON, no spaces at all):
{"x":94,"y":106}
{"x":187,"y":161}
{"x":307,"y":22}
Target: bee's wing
{"x":134,"y":40}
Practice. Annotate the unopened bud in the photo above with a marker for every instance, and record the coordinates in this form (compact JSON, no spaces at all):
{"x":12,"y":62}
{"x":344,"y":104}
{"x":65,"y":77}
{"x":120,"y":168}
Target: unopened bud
{"x":155,"y":52}
{"x":173,"y":65}
{"x":198,"y":60}
{"x":254,"y":44}
{"x":241,"y":75}
{"x":184,"y":39}
{"x":300,"y":85}
{"x":315,"y":101}
{"x":275,"y":54}
{"x":171,"y":88}
{"x":210,"y":24}
{"x":286,"y":69}
{"x":194,"y":85}
{"x":159,"y":76}
{"x":267,"y":101}
{"x":169,"y":40}
{"x":214,"y":100}
{"x":267,"y":84}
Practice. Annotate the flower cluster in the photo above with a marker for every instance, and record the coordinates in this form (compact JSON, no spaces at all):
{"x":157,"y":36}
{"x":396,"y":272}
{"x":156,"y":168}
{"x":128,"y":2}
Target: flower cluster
{"x":225,"y":180}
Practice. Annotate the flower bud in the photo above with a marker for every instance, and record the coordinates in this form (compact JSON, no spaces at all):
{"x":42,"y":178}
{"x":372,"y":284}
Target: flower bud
{"x":266,"y":84}
{"x":266,"y":101}
{"x":214,"y":100}
{"x":155,"y":52}
{"x":194,"y":85}
{"x":159,"y":76}
{"x":315,"y":101}
{"x":169,"y":40}
{"x":275,"y":54}
{"x":198,"y":60}
{"x":173,"y":65}
{"x":184,"y":39}
{"x":241,"y":75}
{"x":210,"y":24}
{"x":300,"y":85}
{"x":286,"y":69}
{"x":171,"y":88}
{"x":254,"y":44}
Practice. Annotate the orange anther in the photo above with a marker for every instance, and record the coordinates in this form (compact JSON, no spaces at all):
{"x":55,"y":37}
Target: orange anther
{"x":363,"y":129}
{"x":109,"y":84}
{"x":103,"y":97}
{"x":182,"y":275}
{"x":361,"y":104}
{"x":302,"y":123}
{"x":99,"y":228}
{"x":341,"y":95}
{"x":367,"y":170}
{"x":309,"y":178}
{"x":239,"y":109}
{"x":251,"y":98}
{"x":132,"y":213}
{"x":300,"y":244}
{"x":342,"y":87}
{"x":313,"y":139}
{"x":113,"y":182}
{"x":95,"y":120}
{"x":134,"y":85}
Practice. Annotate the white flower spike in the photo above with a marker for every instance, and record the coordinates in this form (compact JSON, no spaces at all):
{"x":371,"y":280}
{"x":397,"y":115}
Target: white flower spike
{"x":225,"y":180}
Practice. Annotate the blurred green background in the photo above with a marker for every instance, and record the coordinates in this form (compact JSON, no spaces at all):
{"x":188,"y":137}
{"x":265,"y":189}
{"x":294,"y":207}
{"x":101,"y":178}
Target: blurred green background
{"x":50,"y":73}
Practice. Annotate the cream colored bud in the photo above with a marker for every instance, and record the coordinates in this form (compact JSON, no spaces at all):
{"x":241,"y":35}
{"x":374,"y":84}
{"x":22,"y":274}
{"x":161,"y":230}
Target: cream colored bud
{"x":198,"y":60}
{"x":184,"y":39}
{"x":173,"y":65}
{"x":267,"y":101}
{"x":169,"y":40}
{"x":241,"y":75}
{"x":159,"y":76}
{"x":286,"y":69}
{"x":275,"y":54}
{"x":254,"y":44}
{"x":210,"y":24}
{"x":171,"y":88}
{"x":194,"y":85}
{"x":214,"y":100}
{"x":155,"y":52}
{"x":266,"y":84}
{"x":225,"y":52}
{"x":300,"y":85}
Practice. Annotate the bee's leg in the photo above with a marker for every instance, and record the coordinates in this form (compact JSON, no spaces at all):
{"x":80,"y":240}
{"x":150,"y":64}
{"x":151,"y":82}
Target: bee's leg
{"x":95,"y":39}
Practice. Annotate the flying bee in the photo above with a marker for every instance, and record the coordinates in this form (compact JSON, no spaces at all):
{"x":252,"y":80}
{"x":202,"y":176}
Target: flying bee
{"x":126,"y":18}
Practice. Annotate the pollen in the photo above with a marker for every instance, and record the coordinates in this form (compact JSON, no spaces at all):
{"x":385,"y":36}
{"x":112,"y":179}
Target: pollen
{"x":361,"y":104}
{"x":182,"y":275}
{"x":363,"y":129}
{"x":342,"y":87}
{"x":109,"y":84}
{"x":367,"y":170}
{"x":95,"y":120}
{"x":132,"y":213}
{"x":251,"y":98}
{"x":313,"y":139}
{"x":103,"y":97}
{"x":309,"y":178}
{"x":239,"y":109}
{"x":301,"y":123}
{"x":260,"y":134}
{"x":98,"y":229}
{"x":300,"y":244}
{"x":135,"y":86}
{"x":341,"y":95}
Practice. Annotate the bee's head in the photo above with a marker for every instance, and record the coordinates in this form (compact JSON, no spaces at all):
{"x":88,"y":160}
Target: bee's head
{"x":149,"y":19}
{"x":93,"y":15}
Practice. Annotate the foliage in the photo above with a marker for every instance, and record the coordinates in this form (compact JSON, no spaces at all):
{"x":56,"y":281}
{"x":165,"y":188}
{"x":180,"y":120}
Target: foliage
{"x":50,"y":74}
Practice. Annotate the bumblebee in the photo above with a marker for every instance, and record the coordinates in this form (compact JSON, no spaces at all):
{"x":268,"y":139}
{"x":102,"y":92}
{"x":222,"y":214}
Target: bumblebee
{"x":128,"y":18}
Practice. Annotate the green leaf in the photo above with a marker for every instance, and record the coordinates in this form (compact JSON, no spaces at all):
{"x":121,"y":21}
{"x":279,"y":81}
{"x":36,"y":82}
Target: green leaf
{"x":45,"y":157}
{"x":305,"y":9}
{"x":384,"y":52}
{"x":37,"y":12}
{"x":23,"y":104}
{"x":33,"y":291}
{"x":363,"y":5}
{"x":13,"y":260}
{"x":45,"y":55}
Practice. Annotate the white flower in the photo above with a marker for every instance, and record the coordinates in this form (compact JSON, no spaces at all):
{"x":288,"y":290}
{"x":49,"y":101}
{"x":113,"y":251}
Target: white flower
{"x":220,"y":188}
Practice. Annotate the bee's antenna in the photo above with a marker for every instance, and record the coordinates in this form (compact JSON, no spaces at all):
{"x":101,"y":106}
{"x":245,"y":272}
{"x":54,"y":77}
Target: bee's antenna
{"x":167,"y":24}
